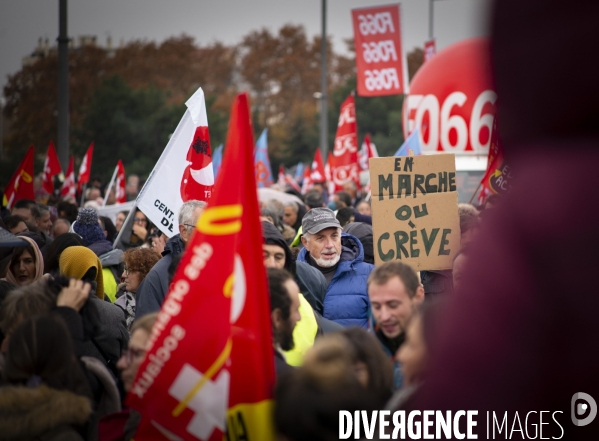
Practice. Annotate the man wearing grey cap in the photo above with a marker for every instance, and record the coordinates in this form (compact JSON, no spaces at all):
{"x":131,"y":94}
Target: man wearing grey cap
{"x":340,"y":258}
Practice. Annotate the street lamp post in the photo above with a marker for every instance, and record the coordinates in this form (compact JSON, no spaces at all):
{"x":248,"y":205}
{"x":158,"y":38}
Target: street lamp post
{"x":323,"y":85}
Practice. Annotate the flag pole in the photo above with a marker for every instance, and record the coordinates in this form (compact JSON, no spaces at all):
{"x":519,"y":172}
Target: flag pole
{"x":83,"y":194}
{"x":475,"y":191}
{"x":107,"y":192}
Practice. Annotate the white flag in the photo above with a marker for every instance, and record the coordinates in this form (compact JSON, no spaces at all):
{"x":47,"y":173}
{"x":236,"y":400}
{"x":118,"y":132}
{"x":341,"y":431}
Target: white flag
{"x":184,"y":170}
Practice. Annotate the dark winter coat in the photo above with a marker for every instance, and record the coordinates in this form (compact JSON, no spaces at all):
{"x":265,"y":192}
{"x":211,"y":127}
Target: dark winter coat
{"x":154,"y":287}
{"x":42,"y":413}
{"x":346,"y":299}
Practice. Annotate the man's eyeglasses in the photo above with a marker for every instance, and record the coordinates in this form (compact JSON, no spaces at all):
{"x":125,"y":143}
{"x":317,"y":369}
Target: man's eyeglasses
{"x":131,"y":353}
{"x":189,"y":226}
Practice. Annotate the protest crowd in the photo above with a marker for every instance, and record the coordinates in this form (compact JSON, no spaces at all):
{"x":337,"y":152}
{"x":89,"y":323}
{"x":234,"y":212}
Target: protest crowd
{"x":502,"y":327}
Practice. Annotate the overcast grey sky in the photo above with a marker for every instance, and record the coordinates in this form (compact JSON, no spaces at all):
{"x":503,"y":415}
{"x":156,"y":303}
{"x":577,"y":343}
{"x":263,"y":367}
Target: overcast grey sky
{"x":22,"y":22}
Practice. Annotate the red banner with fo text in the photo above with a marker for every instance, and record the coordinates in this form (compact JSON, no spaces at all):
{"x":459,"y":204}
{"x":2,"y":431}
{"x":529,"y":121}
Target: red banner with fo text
{"x":380,"y":62}
{"x":344,"y":167}
{"x":210,"y":368}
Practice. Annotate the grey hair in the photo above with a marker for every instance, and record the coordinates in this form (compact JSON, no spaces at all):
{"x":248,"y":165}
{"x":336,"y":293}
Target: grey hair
{"x":292,"y":205}
{"x":43,"y":209}
{"x":308,"y":235}
{"x":187,"y":209}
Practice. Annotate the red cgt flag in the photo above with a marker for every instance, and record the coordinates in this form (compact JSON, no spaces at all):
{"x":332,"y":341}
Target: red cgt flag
{"x":121,"y":194}
{"x":51,"y":168}
{"x":85,"y":170}
{"x":344,"y":167}
{"x":68,"y":186}
{"x":498,"y":175}
{"x":210,"y":368}
{"x":20,"y":185}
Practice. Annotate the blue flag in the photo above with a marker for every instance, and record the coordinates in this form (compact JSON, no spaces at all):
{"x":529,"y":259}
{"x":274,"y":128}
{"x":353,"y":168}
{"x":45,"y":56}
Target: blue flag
{"x":411,"y":143}
{"x":217,"y":159}
{"x":262,"y":163}
{"x":299,"y":172}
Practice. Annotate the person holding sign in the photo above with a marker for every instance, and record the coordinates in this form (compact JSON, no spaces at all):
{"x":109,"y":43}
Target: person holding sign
{"x":340,"y":258}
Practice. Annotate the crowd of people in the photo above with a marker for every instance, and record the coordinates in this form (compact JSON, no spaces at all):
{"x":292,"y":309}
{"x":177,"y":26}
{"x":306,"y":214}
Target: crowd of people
{"x":77,"y":312}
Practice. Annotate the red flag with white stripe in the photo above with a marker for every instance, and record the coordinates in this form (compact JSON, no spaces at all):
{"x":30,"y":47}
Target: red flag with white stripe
{"x":51,"y":168}
{"x":85,"y":170}
{"x":68,"y":186}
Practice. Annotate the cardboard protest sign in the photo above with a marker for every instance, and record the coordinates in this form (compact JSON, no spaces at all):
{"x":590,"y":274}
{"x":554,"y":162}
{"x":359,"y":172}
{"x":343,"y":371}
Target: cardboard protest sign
{"x":415,"y":210}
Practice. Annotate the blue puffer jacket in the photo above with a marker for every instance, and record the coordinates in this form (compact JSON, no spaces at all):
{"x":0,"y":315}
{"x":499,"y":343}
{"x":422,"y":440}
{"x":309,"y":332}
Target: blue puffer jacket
{"x":346,"y":300}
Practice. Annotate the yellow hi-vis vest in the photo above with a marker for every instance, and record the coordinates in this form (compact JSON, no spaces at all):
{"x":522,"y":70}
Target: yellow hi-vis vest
{"x":303,"y":334}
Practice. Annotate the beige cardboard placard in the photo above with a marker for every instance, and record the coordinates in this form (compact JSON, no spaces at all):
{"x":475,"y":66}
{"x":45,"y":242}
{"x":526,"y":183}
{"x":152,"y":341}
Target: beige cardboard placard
{"x":415,"y":210}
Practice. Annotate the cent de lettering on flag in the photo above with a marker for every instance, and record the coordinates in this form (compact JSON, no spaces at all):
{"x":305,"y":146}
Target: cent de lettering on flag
{"x":184,"y":170}
{"x":210,"y":367}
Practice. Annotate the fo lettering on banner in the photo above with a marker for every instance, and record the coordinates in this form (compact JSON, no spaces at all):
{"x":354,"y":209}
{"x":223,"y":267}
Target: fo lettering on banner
{"x":415,"y":210}
{"x":380,"y":62}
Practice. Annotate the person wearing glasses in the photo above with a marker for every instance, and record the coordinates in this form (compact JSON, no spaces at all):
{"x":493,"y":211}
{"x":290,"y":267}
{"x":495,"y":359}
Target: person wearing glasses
{"x":141,"y":228}
{"x":154,"y":287}
{"x":123,"y":425}
{"x":138,"y":263}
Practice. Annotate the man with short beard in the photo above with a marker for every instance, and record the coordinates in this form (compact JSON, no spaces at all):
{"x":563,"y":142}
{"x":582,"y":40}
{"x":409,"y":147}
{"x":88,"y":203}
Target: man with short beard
{"x":284,"y":314}
{"x":395,"y":292}
{"x":340,"y":258}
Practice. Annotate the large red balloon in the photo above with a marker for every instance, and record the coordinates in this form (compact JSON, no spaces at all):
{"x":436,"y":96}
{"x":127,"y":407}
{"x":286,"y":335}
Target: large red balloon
{"x":452,"y":100}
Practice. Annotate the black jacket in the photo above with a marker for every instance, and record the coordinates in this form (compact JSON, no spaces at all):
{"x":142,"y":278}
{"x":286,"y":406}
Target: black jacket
{"x":154,"y":287}
{"x":311,"y":282}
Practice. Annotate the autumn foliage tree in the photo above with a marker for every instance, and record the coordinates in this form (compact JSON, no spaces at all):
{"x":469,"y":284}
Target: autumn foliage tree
{"x":128,"y":100}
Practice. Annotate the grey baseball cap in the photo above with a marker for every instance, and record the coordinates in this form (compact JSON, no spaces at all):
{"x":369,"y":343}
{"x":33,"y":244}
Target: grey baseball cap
{"x":317,"y":219}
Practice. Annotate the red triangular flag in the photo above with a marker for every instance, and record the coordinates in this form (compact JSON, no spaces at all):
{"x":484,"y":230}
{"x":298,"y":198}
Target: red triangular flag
{"x":211,"y":361}
{"x":20,"y":185}
{"x":121,"y":194}
{"x":307,"y":182}
{"x":85,"y":170}
{"x":317,"y":168}
{"x":281,"y":178}
{"x":51,"y":168}
{"x":345,"y":155}
{"x":68,"y":186}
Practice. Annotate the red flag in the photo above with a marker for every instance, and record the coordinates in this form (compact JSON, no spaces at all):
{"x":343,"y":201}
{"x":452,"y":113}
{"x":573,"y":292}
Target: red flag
{"x":367,"y":151}
{"x":68,"y":186}
{"x":120,"y":193}
{"x":86,"y":167}
{"x":498,"y":175}
{"x":307,"y":183}
{"x":20,"y":185}
{"x":318,"y":174}
{"x":430,"y":49}
{"x":51,"y":168}
{"x":380,"y":62}
{"x":281,"y":178}
{"x":329,"y":175}
{"x":344,"y":167}
{"x":211,"y":363}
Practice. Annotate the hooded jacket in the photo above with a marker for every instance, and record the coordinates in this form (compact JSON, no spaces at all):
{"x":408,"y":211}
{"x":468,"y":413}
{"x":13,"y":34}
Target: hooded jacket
{"x":311,"y":282}
{"x":153,"y":289}
{"x":39,"y":262}
{"x":346,"y":299}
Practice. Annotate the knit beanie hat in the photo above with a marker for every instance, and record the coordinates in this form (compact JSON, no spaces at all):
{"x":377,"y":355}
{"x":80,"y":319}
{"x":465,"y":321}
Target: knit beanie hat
{"x":76,"y":261}
{"x":87,"y":226}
